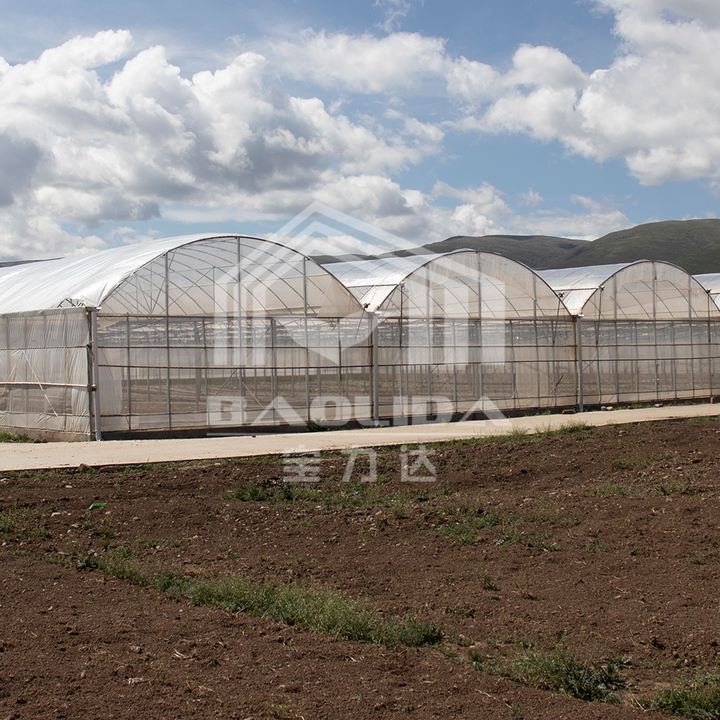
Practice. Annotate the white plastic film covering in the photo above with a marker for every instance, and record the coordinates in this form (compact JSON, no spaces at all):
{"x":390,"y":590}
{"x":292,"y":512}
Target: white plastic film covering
{"x":476,"y":332}
{"x":576,"y":285}
{"x":215,"y":331}
{"x":647,"y":334}
{"x":44,"y":371}
{"x":711,"y":284}
{"x":371,"y":281}
{"x":230,"y":331}
{"x":77,"y":280}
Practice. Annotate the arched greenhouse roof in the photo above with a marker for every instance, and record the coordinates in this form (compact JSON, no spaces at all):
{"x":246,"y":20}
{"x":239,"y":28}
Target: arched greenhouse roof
{"x":576,"y":285}
{"x":711,"y":283}
{"x":371,"y":281}
{"x":89,"y":280}
{"x":644,"y":288}
{"x":518,"y":288}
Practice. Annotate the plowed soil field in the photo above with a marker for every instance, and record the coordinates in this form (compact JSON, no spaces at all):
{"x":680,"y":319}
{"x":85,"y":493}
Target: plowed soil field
{"x":498,"y":579}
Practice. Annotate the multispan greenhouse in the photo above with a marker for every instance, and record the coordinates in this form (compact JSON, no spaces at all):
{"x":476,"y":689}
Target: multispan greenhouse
{"x":213,"y":334}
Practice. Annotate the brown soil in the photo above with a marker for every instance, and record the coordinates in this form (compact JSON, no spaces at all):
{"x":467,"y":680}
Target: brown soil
{"x":604,"y":542}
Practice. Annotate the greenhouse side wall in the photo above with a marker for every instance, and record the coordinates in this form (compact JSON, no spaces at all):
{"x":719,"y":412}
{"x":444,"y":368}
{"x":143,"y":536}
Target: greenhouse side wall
{"x":650,"y":333}
{"x":44,"y":389}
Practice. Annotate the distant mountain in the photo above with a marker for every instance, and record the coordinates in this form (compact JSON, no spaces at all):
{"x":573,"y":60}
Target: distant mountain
{"x":692,"y":244}
{"x":537,"y":251}
{"x":533,"y":250}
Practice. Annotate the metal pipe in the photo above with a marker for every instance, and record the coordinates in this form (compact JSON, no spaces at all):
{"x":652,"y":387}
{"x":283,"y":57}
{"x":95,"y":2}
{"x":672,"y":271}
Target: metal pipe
{"x":375,"y":369}
{"x":579,"y":362}
{"x":94,"y":373}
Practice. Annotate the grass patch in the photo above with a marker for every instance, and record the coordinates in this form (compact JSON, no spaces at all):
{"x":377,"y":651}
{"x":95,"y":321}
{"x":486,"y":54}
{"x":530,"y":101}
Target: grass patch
{"x":337,"y":495}
{"x":274,"y":491}
{"x":22,"y":523}
{"x":698,"y":699}
{"x":11,"y":437}
{"x":559,"y":672}
{"x":623,"y":463}
{"x":569,"y":429}
{"x":462,"y":526}
{"x":677,"y":487}
{"x":312,"y":608}
{"x":465,"y":525}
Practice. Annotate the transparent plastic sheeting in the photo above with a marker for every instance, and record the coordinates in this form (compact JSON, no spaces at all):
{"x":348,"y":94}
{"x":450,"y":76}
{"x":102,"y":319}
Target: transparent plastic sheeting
{"x":371,"y":281}
{"x":632,"y":291}
{"x":219,"y":332}
{"x":476,"y":332}
{"x":44,"y":371}
{"x":231,"y":332}
{"x":711,"y":284}
{"x":649,"y":331}
{"x":80,"y":280}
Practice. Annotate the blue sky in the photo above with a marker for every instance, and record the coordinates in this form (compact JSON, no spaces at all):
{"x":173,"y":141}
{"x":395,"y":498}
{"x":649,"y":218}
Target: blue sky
{"x":121,"y":122}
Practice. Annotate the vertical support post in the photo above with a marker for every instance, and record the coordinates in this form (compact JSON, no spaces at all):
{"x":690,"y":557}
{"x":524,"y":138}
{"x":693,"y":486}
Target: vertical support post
{"x":93,"y":376}
{"x":693,"y":354}
{"x":206,"y":364}
{"x":617,"y":340}
{"x":513,"y":364}
{"x":577,"y":321}
{"x":455,"y":354}
{"x":340,"y":363}
{"x":90,"y":382}
{"x":273,"y":369}
{"x":429,"y":330}
{"x":655,"y":342}
{"x":167,"y":339}
{"x":307,"y":340}
{"x":240,"y":352}
{"x":709,"y":346}
{"x":375,"y":369}
{"x":129,"y":371}
{"x":538,"y":363}
{"x":403,"y":364}
{"x":477,"y":386}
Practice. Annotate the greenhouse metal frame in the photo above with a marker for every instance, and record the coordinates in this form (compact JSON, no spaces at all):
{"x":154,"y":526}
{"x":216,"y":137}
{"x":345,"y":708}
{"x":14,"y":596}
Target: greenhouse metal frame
{"x":226,"y":333}
{"x":646,"y":331}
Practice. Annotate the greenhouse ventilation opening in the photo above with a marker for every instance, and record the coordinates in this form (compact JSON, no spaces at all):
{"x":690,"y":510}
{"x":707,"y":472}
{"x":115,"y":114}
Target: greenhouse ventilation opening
{"x":221,"y":333}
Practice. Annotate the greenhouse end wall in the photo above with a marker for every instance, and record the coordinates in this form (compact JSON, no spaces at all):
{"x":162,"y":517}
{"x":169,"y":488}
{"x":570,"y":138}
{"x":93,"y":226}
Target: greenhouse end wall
{"x":45,"y":388}
{"x":650,"y":332}
{"x":473,"y":333}
{"x":227,"y":333}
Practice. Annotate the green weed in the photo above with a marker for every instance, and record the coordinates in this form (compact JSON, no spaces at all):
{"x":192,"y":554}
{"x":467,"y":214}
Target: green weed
{"x":560,"y":672}
{"x":675,"y":487}
{"x":698,"y":699}
{"x":338,"y":495}
{"x":313,"y":608}
{"x":23,"y":523}
{"x":12,"y":437}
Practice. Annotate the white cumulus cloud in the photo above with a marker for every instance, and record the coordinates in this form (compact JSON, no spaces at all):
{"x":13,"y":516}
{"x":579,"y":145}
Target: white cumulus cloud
{"x":81,"y":147}
{"x":655,"y":106}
